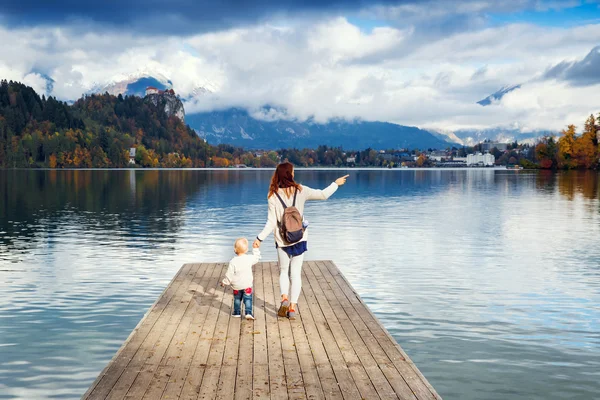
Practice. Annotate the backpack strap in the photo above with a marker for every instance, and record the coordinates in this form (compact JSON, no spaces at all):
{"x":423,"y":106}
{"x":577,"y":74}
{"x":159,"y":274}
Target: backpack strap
{"x":281,"y":200}
{"x":295,"y":194}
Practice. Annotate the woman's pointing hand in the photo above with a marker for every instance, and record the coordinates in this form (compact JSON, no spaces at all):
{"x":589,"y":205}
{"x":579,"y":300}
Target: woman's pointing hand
{"x":342,"y":180}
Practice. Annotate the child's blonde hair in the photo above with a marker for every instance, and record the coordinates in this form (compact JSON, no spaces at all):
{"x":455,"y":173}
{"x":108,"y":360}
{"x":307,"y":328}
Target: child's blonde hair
{"x":241,"y":246}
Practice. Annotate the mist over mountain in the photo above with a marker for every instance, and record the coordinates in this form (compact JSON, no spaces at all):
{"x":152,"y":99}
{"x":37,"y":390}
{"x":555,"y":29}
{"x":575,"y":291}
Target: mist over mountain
{"x":239,"y":128}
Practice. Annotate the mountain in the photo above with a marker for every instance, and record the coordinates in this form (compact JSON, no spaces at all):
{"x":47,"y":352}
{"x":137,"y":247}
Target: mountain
{"x":447,"y":136}
{"x":470,"y":137}
{"x":498,"y":95}
{"x":133,"y":84}
{"x":239,"y":128}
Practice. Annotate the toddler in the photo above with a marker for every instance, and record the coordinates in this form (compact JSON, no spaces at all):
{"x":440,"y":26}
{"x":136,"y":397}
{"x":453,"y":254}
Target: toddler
{"x":239,"y":276}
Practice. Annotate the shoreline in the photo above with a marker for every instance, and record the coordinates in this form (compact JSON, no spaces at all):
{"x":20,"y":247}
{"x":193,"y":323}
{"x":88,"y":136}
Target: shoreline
{"x":499,"y":168}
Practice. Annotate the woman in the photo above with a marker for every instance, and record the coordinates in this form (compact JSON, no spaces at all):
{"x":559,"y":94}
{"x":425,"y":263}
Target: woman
{"x":284,"y":189}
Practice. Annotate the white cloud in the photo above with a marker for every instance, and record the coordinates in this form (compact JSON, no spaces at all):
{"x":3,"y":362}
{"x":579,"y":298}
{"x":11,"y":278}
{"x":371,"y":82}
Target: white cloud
{"x":330,"y":68}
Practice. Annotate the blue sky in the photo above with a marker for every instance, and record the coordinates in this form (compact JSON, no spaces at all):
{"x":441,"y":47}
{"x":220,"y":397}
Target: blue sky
{"x":584,"y":12}
{"x":420,"y":63}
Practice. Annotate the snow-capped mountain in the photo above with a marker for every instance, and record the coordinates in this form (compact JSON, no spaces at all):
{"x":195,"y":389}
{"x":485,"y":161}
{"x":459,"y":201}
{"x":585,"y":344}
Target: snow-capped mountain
{"x":470,"y":137}
{"x":447,"y":136}
{"x":494,"y":97}
{"x":133,"y":84}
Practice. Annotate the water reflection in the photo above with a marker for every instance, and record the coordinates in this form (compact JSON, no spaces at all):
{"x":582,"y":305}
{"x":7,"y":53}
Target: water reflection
{"x":489,"y":279}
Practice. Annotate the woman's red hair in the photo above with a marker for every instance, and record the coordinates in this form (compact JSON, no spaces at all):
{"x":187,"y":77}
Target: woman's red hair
{"x":283,"y":179}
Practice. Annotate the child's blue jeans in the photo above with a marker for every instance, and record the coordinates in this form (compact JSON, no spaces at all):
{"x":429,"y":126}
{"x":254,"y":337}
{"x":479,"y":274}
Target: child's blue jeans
{"x":238,"y":296}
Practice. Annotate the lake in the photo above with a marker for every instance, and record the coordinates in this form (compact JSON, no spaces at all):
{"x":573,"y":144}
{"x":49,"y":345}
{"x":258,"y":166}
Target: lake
{"x":489,"y":279}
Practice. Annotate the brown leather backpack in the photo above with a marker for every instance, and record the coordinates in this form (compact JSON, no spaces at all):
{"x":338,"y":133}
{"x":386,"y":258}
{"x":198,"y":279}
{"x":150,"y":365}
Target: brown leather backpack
{"x":290,"y":226}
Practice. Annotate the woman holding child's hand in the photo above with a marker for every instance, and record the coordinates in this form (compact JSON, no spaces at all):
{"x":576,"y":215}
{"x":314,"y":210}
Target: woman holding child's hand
{"x":291,"y":235}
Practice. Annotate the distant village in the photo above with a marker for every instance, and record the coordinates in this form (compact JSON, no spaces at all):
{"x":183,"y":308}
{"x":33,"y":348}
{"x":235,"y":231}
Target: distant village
{"x":486,"y":154}
{"x":481,"y":155}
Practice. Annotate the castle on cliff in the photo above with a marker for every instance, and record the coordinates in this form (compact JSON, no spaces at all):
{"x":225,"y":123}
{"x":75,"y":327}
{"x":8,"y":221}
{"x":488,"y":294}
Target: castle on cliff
{"x":167,"y":100}
{"x":152,"y":90}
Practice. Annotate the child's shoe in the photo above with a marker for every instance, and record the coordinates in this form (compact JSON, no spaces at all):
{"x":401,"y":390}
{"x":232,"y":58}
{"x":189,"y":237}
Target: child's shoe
{"x":249,"y":316}
{"x":236,"y":315}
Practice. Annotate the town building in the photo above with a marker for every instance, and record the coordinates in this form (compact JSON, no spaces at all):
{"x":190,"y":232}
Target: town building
{"x":351,"y":160}
{"x":438,"y":155}
{"x":484,"y":160}
{"x":151,"y":90}
{"x":132,"y":155}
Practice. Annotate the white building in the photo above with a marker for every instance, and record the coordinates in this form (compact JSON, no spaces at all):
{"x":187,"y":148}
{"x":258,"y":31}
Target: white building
{"x":350,"y":160}
{"x":132,"y":155}
{"x":485,"y":160}
{"x":151,"y":90}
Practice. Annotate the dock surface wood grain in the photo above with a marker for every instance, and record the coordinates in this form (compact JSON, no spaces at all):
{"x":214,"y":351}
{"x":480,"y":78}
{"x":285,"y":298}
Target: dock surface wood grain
{"x":188,"y":346}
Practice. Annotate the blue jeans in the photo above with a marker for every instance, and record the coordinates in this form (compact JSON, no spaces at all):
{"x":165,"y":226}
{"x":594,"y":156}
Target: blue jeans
{"x":238,"y":296}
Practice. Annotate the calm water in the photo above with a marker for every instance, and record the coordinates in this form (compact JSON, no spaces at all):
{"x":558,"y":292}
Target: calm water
{"x":490,"y":280}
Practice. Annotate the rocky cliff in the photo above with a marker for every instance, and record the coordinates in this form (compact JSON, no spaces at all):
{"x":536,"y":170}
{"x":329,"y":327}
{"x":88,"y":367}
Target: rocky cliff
{"x":169,"y":102}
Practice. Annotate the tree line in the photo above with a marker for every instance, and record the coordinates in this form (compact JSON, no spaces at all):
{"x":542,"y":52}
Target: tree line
{"x":571,"y":151}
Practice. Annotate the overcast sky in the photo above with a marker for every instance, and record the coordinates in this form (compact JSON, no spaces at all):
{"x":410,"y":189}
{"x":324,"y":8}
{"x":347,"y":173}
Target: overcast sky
{"x":415,"y":63}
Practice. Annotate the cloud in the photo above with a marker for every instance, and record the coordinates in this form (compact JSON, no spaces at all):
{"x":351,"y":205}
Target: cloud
{"x":184,"y":17}
{"x":330,"y":67}
{"x":583,"y":72}
{"x":169,"y":17}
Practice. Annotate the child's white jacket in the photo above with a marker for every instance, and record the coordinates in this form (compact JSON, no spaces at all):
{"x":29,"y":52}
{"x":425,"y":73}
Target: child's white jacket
{"x":239,"y":272}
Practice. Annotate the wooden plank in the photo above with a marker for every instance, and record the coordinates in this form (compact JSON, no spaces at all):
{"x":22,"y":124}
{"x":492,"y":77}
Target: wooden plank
{"x":157,"y":385}
{"x":229,"y":362}
{"x":362,"y":332}
{"x":310,"y":375}
{"x":210,"y":381}
{"x":193,"y":382}
{"x":277,"y":382}
{"x":112,"y":372}
{"x":245,"y":356}
{"x":340,"y":368}
{"x":157,"y":341}
{"x":260,"y":370}
{"x":198,"y":309}
{"x":372,"y":368}
{"x":324,"y":369}
{"x":410,"y":373}
{"x":357,"y":369}
{"x":293,"y":373}
{"x":147,"y":375}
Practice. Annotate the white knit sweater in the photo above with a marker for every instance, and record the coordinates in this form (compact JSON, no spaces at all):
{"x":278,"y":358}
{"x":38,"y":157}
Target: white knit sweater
{"x":239,"y":272}
{"x":276,"y":209}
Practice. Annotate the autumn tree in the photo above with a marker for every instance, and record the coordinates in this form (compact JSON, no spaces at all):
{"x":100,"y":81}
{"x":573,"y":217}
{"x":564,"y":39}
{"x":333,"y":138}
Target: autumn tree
{"x":545,"y":152}
{"x":566,"y":148}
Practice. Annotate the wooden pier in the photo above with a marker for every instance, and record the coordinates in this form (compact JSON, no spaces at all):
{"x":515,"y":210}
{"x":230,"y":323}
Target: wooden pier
{"x":188,"y":346}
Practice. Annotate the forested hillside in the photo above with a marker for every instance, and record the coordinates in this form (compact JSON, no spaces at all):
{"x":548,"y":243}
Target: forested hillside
{"x":96,"y":131}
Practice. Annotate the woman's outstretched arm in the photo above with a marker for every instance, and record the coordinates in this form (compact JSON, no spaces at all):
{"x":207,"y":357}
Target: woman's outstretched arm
{"x":269,"y":226}
{"x":316,"y":194}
